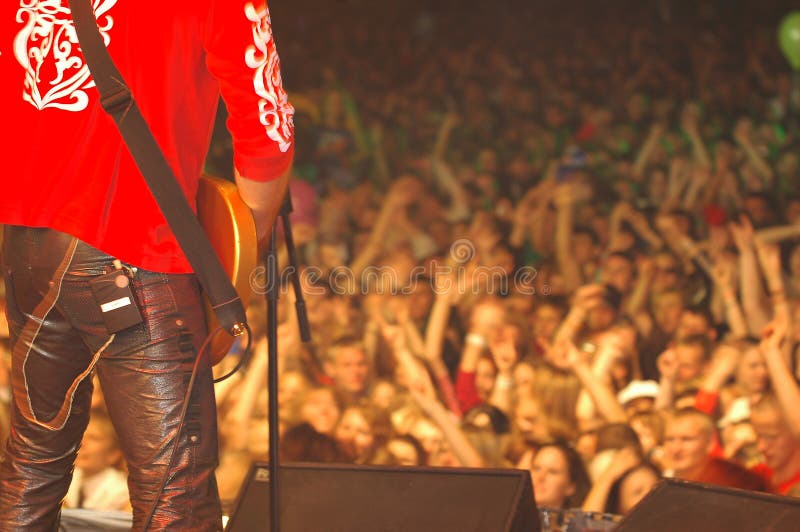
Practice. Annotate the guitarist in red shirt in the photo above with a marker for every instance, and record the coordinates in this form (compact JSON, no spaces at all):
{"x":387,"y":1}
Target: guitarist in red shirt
{"x":77,"y":212}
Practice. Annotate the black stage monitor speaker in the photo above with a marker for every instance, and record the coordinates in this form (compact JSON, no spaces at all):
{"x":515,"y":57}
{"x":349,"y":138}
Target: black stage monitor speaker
{"x":675,"y":505}
{"x":346,"y":498}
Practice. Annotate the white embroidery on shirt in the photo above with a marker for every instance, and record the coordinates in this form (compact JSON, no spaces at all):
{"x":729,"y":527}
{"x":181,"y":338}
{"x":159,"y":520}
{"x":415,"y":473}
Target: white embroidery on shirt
{"x":47,"y":48}
{"x":274,"y":109}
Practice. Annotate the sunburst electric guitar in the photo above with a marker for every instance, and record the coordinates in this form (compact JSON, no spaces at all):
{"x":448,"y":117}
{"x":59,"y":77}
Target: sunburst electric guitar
{"x":229,"y":224}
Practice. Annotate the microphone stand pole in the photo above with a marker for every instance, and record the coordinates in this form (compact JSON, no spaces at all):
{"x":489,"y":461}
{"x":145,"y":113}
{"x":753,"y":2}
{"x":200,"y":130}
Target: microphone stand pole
{"x":273,"y":287}
{"x":271,"y":265}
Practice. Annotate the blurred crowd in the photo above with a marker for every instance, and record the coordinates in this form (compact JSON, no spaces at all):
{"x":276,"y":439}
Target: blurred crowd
{"x":562,"y":238}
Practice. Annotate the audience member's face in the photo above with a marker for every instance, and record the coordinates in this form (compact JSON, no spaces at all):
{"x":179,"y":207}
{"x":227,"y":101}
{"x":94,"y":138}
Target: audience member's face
{"x":686,"y":445}
{"x":667,"y":310}
{"x":600,"y":318}
{"x":383,"y":394}
{"x":690,"y":361}
{"x":667,"y":273}
{"x":403,"y":452}
{"x":502,"y":345}
{"x":752,"y":372}
{"x":530,"y":420}
{"x":691,"y":323}
{"x":354,"y":432}
{"x":587,"y":445}
{"x":523,"y":377}
{"x":550,"y":476}
{"x":639,"y":405}
{"x":546,"y":320}
{"x":550,"y":282}
{"x":618,"y":272}
{"x":290,"y":385}
{"x":582,"y":248}
{"x":320,"y":410}
{"x":775,"y":440}
{"x":431,"y":438}
{"x":635,"y":486}
{"x":350,"y":369}
{"x":485,"y":374}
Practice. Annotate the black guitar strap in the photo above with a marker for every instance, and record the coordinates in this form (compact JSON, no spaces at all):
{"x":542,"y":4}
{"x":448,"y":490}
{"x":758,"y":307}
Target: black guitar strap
{"x":117,"y":100}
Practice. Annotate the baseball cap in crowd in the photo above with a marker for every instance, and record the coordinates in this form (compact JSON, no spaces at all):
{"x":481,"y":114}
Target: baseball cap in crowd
{"x":738,"y":412}
{"x":637,"y":389}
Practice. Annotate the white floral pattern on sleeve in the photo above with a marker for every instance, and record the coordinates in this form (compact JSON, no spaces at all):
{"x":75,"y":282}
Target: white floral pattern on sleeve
{"x":275,"y":111}
{"x":47,"y":48}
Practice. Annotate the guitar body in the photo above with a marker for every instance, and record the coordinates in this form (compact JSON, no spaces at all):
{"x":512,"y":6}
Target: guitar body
{"x":229,"y":224}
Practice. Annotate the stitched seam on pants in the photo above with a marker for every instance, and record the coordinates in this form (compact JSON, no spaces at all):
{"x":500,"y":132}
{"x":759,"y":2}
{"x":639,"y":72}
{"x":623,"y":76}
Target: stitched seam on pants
{"x":58,"y":422}
{"x":34,"y":325}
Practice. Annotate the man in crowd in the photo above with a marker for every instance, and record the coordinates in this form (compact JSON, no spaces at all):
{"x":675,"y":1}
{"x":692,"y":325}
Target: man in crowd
{"x":689,"y":447}
{"x":780,"y":448}
{"x":349,"y":369}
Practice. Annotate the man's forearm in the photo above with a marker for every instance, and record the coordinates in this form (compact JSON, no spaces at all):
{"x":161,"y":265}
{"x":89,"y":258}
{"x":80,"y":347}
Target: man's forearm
{"x":264,"y":199}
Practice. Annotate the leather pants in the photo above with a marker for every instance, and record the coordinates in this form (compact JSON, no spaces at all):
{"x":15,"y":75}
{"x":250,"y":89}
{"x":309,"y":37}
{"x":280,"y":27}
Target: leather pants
{"x":58,"y":340}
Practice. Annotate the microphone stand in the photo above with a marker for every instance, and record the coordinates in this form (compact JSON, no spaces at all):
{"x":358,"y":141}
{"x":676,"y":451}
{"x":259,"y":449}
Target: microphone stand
{"x":273,"y":288}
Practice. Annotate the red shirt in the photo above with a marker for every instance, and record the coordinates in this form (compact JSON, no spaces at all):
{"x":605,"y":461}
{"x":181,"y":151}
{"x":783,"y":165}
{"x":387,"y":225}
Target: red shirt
{"x":787,"y":487}
{"x":466,"y":391}
{"x":724,"y":473}
{"x":65,"y":164}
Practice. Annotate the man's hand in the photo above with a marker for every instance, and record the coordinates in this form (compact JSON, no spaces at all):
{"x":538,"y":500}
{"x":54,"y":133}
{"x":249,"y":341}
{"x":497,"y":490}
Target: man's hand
{"x":774,"y":334}
{"x":588,"y":297}
{"x":264,"y":199}
{"x":403,"y":191}
{"x":742,"y":234}
{"x":623,"y":461}
{"x":565,"y":195}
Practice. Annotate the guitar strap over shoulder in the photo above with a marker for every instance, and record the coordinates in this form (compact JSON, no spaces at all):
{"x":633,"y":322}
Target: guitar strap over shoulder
{"x":117,"y":100}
